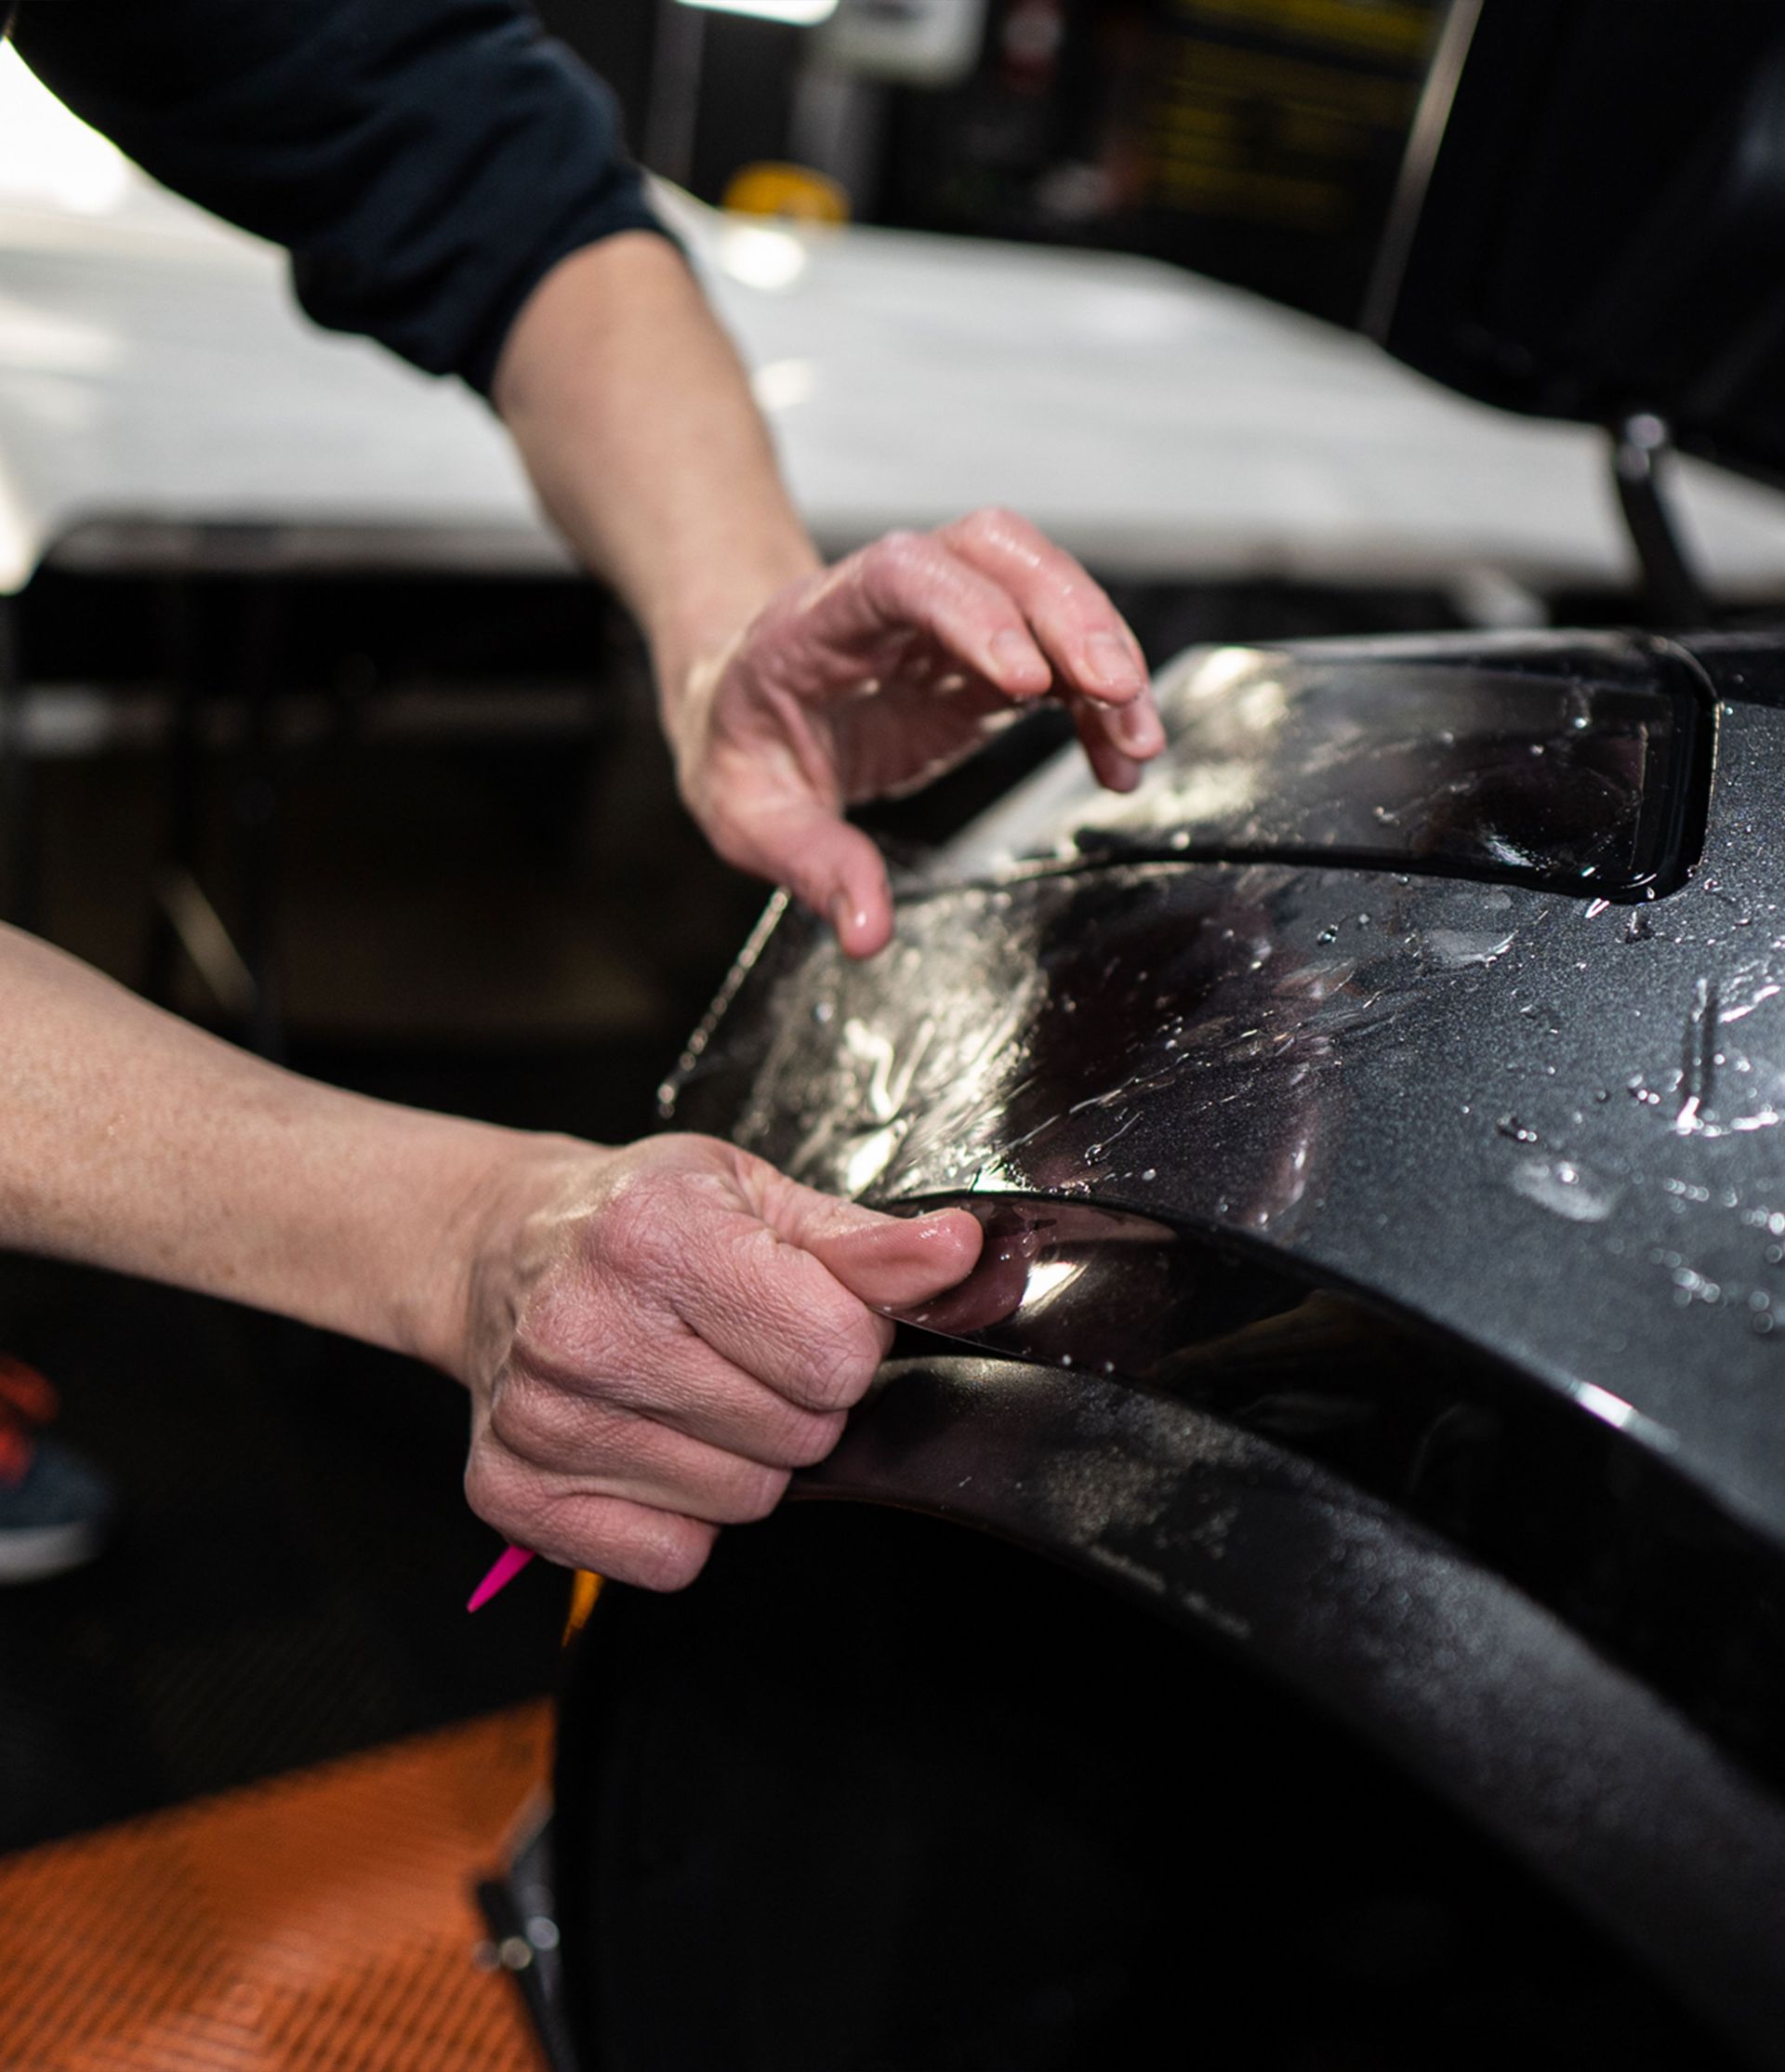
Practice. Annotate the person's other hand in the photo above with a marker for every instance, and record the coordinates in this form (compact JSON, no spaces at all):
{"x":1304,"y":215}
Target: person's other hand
{"x":866,"y":679}
{"x":658,"y":1334}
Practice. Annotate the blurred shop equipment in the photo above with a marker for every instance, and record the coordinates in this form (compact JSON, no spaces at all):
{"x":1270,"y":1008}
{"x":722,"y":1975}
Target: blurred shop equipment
{"x":1256,"y":140}
{"x":917,"y":42}
{"x":670,"y":129}
{"x":793,"y":191}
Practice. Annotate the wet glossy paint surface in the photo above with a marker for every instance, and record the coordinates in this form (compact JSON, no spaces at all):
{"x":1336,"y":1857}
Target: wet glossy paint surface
{"x":1560,"y":761}
{"x":1384,"y":1270}
{"x":1546,"y":1124}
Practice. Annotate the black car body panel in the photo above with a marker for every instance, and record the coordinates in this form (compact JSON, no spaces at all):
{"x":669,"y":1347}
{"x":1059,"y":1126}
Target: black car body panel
{"x":1376,"y":1122}
{"x":1431,"y":1195}
{"x":1386,"y":1078}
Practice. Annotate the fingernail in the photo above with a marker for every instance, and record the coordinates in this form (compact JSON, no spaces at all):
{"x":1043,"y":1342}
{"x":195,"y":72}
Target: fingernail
{"x":846,"y":917}
{"x":1110,"y":661}
{"x":1014,"y":654}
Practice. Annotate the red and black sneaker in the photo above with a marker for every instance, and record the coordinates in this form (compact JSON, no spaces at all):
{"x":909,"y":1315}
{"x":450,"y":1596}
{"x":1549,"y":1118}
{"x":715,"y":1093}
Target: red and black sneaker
{"x":54,"y":1507}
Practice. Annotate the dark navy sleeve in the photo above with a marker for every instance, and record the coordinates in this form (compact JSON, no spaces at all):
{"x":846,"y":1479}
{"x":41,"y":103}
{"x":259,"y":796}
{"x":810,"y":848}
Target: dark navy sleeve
{"x":425,"y":161}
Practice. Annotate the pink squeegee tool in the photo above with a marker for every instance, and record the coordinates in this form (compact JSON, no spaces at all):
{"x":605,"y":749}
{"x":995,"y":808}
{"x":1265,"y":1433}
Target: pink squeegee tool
{"x":507,"y":1565}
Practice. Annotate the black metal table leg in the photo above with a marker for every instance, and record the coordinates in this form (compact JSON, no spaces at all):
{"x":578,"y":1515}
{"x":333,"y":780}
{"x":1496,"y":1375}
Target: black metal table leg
{"x":1641,"y":450}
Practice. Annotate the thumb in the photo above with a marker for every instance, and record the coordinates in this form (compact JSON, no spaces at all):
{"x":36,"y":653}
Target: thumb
{"x":898,"y":1262}
{"x":890,"y":1262}
{"x":830,"y":868}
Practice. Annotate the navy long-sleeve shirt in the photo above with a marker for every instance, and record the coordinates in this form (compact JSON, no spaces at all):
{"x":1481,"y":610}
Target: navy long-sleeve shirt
{"x":425,"y":161}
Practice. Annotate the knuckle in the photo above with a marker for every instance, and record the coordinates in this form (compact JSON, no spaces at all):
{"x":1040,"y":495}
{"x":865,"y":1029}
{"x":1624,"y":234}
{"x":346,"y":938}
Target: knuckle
{"x":662,"y":1553}
{"x":811,"y":1438}
{"x":490,"y":1491}
{"x":889,"y":565}
{"x":638,"y":1224}
{"x":509,"y":1423}
{"x":996,"y":526}
{"x":478,"y":1492}
{"x":515,"y":1413}
{"x":757,"y":1493}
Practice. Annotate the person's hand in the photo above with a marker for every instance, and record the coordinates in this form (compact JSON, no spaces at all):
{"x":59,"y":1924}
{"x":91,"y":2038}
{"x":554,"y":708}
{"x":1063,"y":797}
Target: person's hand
{"x":658,"y":1334}
{"x":866,"y":679}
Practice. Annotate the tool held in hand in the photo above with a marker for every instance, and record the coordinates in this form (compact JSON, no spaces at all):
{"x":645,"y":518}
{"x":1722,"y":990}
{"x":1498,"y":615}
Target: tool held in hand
{"x":585,"y":1588}
{"x":507,"y":1567}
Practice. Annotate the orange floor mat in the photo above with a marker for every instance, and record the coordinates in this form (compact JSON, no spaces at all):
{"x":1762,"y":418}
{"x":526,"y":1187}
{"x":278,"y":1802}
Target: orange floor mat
{"x":321,"y":1922}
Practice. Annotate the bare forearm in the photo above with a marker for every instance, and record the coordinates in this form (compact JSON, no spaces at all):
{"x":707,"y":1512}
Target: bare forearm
{"x":789,"y":691}
{"x":133,"y":1140}
{"x":636,"y":422}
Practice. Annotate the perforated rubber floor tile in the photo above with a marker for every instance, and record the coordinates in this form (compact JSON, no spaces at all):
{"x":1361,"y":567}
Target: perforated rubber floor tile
{"x":320,"y":1923}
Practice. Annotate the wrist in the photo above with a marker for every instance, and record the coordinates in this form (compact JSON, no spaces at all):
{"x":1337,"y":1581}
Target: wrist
{"x":691,"y":641}
{"x":499,"y":1233}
